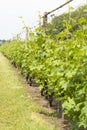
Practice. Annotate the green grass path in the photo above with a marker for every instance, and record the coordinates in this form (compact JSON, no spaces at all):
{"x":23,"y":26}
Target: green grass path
{"x":17,"y":111}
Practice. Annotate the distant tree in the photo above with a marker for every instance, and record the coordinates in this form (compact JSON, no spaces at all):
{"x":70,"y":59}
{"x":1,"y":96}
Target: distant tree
{"x":2,"y":41}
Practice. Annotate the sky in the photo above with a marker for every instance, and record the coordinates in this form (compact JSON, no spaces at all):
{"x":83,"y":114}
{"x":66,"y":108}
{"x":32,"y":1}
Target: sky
{"x":11,"y":10}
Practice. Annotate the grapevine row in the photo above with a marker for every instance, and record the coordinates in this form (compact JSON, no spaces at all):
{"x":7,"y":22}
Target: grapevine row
{"x":58,"y":66}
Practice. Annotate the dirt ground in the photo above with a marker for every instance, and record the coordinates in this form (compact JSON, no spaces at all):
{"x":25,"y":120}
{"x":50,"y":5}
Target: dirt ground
{"x":51,"y":115}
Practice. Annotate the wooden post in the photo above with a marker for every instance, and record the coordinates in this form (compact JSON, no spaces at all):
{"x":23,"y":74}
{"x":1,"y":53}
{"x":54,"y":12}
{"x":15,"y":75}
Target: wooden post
{"x":47,"y":13}
{"x":26,"y":43}
{"x":45,"y":19}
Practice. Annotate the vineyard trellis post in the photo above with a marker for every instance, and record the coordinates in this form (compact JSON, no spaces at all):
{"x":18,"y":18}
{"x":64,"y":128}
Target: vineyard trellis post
{"x":47,"y":13}
{"x":26,"y":45}
{"x":45,"y":19}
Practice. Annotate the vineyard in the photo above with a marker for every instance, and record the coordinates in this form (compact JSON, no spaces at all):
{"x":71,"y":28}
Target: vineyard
{"x":58,"y":66}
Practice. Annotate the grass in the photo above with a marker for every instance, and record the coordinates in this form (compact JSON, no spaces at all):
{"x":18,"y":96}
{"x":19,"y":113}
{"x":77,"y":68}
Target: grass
{"x":17,"y":110}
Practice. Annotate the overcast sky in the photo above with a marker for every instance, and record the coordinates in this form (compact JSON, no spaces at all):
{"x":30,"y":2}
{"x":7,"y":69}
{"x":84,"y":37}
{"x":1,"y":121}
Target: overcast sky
{"x":10,"y":10}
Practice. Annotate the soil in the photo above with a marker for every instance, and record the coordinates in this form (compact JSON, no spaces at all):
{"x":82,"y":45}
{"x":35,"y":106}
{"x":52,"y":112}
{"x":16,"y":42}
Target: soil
{"x":51,"y":115}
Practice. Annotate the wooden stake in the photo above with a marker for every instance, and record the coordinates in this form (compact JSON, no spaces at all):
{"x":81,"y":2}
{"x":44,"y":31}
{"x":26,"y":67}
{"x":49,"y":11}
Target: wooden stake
{"x":26,"y":43}
{"x":45,"y":19}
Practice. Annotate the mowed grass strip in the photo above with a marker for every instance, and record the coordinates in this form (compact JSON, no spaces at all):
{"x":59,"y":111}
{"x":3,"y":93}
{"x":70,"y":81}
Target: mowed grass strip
{"x":17,"y":110}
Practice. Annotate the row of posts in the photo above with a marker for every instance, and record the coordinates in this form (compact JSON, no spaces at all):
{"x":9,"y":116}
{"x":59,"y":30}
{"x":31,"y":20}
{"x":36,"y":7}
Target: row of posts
{"x":44,"y":26}
{"x":44,"y":20}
